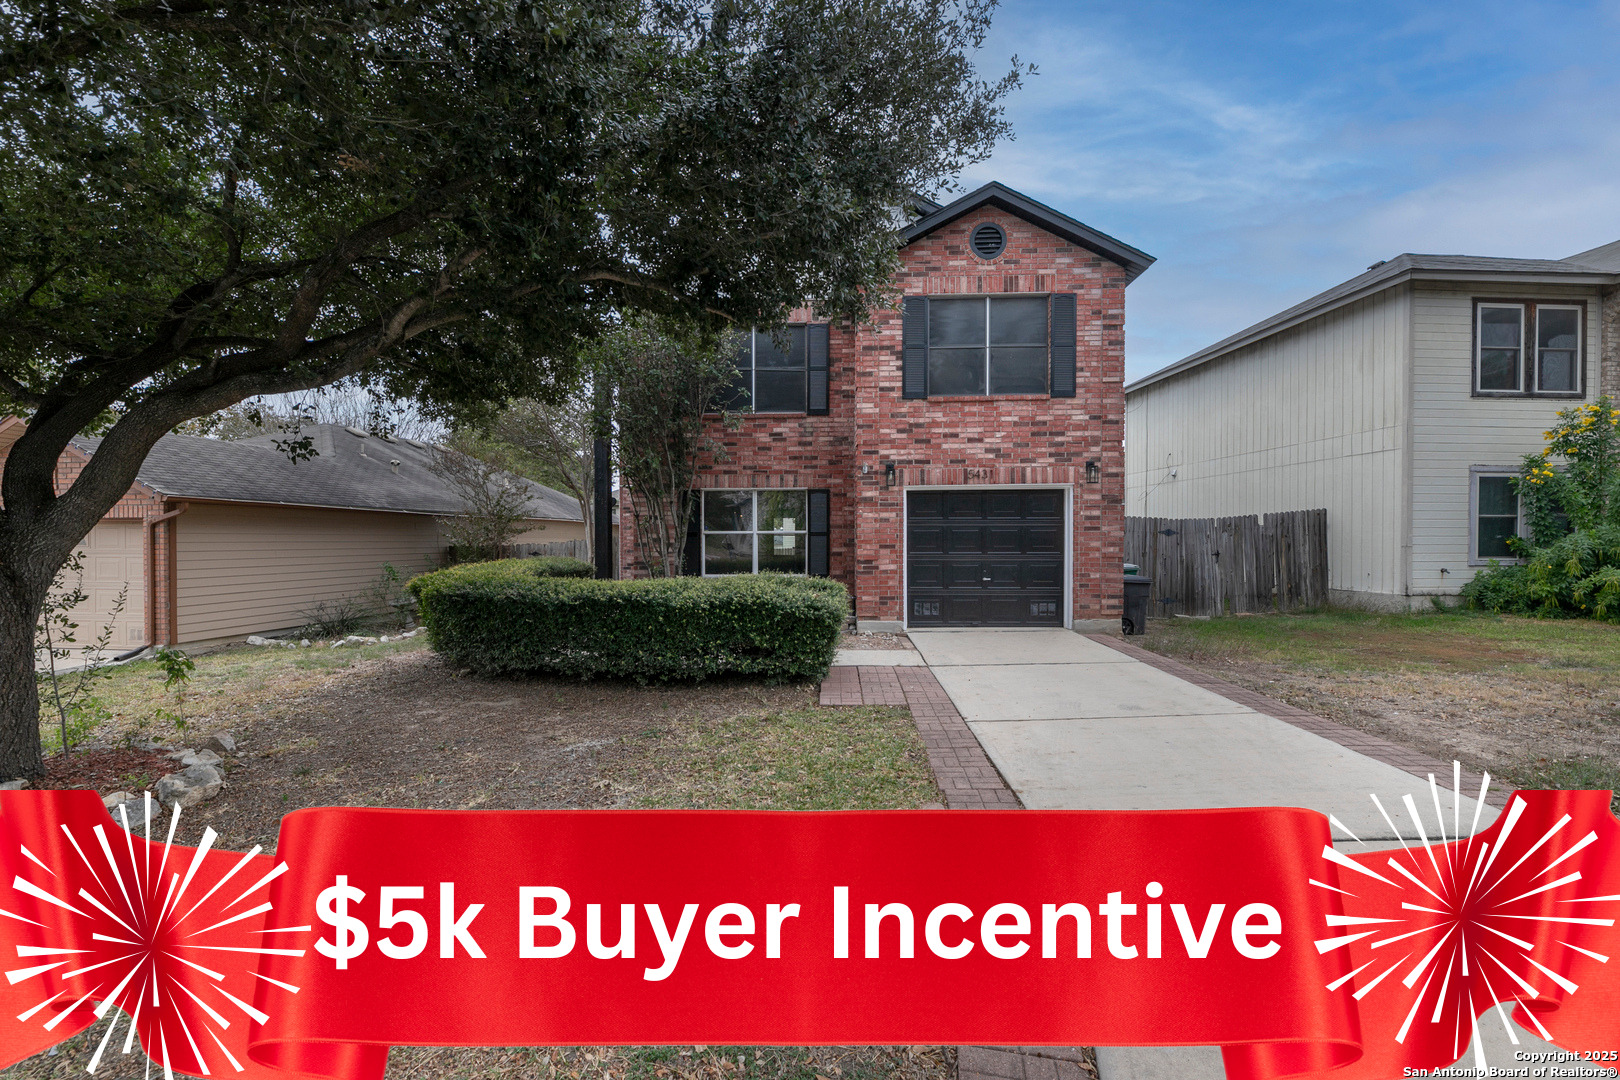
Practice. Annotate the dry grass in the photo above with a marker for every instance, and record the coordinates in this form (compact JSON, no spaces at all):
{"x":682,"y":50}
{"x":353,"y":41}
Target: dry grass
{"x":391,"y":725}
{"x":1534,"y":701}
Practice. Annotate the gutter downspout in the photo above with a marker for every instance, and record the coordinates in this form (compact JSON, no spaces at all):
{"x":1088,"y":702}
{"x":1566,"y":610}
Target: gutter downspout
{"x":151,"y":574}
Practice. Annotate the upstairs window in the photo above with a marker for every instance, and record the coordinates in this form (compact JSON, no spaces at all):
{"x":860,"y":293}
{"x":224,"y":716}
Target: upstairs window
{"x":780,"y":372}
{"x":987,"y":345}
{"x":1528,"y":347}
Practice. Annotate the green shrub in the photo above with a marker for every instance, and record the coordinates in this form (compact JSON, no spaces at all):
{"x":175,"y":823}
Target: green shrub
{"x":559,"y":566}
{"x":1577,"y":574}
{"x":501,"y":617}
{"x":1504,"y":589}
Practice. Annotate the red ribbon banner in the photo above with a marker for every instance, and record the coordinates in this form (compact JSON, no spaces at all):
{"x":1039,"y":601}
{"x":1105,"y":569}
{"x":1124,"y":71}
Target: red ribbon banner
{"x":1238,"y":928}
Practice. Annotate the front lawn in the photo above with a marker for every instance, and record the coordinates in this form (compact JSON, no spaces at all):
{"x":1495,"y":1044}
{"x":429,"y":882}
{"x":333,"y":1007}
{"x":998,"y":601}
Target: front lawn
{"x":394,"y":725}
{"x":1535,"y":701}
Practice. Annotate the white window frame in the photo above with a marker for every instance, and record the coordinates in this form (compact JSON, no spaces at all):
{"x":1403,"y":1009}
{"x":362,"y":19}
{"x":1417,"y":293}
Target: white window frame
{"x":1580,"y":350}
{"x":1475,"y":473}
{"x":755,"y":531}
{"x":1479,"y":345}
{"x":987,"y":298}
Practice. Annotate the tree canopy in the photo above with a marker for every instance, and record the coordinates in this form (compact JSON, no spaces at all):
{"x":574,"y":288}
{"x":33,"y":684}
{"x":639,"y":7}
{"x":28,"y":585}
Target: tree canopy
{"x":208,"y":200}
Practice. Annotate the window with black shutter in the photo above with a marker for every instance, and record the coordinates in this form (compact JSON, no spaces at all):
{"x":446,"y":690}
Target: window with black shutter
{"x":975,"y":346}
{"x":782,"y":371}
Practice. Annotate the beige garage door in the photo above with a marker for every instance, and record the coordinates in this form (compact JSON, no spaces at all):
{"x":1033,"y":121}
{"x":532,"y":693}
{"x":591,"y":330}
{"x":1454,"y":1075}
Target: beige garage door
{"x":113,"y":559}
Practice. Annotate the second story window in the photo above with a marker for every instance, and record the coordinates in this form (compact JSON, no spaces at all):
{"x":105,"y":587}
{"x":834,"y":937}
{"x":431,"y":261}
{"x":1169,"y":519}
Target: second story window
{"x":1528,"y":347}
{"x":957,"y":346}
{"x":780,"y":372}
{"x":987,"y":345}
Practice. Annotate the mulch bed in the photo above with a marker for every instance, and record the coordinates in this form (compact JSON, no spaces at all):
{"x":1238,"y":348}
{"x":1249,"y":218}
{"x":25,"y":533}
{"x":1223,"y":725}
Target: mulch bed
{"x":105,"y":770}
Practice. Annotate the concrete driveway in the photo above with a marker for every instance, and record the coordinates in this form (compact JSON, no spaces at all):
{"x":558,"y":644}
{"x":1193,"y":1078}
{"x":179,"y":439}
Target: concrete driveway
{"x":1075,"y":725}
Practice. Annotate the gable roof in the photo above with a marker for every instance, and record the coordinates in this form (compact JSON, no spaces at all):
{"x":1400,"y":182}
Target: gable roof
{"x":1038,"y":214}
{"x":1606,"y":257}
{"x":349,"y":471}
{"x":1387,"y":274}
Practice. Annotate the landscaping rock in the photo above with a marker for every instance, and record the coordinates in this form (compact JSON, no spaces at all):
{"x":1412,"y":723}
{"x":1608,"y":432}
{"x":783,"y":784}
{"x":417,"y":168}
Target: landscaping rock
{"x":354,"y":639}
{"x":222,"y":743}
{"x":201,"y":757}
{"x":14,"y":785}
{"x":255,"y":639}
{"x":192,"y":785}
{"x":112,"y":799}
{"x":176,"y":755}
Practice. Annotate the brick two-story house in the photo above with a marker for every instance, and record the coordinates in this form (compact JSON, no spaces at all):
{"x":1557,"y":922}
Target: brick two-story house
{"x":957,"y":462}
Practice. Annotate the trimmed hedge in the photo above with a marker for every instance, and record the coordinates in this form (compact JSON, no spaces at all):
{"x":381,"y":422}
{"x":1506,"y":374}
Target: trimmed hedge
{"x":560,"y":566}
{"x":502,"y":618}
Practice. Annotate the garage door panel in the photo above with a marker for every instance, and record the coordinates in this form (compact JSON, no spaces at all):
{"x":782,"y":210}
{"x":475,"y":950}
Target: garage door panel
{"x":1044,"y":539}
{"x":927,"y":539}
{"x":1044,"y":576}
{"x":1044,"y":504}
{"x":959,"y":575}
{"x":1004,"y":575}
{"x":1004,"y":538}
{"x":996,"y":559}
{"x":927,"y":504}
{"x":1005,"y":504}
{"x":962,"y":609}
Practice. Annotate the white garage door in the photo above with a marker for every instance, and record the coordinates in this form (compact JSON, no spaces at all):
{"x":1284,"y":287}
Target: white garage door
{"x":113,"y":560}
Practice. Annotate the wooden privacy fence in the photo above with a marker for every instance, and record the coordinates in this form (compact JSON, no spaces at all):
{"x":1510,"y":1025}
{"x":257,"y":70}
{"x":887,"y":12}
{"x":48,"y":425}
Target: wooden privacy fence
{"x":1220,"y":566}
{"x":574,"y":549}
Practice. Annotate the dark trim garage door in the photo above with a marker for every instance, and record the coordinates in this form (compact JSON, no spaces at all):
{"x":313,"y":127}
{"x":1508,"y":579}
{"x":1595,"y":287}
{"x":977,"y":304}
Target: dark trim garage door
{"x":988,"y":557}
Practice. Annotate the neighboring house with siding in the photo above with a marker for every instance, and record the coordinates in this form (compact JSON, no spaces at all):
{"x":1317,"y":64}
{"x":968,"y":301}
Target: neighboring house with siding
{"x":1401,"y":400}
{"x":217,"y":540}
{"x":956,"y":461}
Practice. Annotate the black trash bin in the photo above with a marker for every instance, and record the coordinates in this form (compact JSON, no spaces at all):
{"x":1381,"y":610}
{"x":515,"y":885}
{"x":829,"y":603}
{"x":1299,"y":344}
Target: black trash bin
{"x":1136,"y":604}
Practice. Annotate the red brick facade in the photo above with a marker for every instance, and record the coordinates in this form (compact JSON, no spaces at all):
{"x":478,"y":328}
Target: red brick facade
{"x":943,"y":441}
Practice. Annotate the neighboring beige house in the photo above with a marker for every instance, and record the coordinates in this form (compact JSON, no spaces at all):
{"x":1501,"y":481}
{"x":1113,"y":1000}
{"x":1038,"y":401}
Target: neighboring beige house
{"x":1402,"y":401}
{"x":218,"y":540}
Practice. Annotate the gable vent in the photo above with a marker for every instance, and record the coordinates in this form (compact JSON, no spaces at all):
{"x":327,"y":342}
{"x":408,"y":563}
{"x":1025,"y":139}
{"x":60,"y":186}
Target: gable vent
{"x":988,"y":240}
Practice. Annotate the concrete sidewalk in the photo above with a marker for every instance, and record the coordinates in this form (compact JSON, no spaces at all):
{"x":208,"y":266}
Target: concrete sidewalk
{"x":1073,"y":723}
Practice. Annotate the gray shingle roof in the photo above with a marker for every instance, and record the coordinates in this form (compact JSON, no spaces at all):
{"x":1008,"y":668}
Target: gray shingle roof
{"x":348,"y":471}
{"x":1605,"y":257}
{"x":1381,"y":276}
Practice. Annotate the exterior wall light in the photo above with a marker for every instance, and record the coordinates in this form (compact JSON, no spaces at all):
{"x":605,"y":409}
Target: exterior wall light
{"x":888,"y":474}
{"x":1093,"y":473}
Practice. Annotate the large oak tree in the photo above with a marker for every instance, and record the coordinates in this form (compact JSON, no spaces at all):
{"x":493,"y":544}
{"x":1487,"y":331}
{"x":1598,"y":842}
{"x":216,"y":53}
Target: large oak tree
{"x":202,"y":201}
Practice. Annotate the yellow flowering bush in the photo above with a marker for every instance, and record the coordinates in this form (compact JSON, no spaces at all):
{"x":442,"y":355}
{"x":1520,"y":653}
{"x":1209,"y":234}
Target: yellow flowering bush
{"x":1572,"y":508}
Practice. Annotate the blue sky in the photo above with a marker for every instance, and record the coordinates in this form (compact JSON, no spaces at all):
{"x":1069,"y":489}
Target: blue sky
{"x":1264,"y":152}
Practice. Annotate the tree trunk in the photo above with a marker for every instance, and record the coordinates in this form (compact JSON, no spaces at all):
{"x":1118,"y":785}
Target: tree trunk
{"x":20,"y":603}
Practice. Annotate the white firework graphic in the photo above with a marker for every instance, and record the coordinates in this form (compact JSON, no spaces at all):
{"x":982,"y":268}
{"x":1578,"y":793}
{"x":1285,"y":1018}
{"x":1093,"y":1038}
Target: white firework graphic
{"x":151,"y":951}
{"x":1460,"y":929}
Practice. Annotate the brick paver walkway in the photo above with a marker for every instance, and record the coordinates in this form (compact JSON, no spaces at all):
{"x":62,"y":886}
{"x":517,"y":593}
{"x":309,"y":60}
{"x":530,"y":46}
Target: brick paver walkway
{"x":960,"y":765}
{"x":1402,"y":757}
